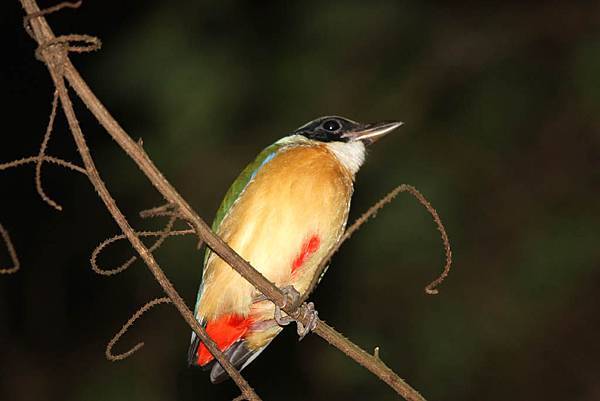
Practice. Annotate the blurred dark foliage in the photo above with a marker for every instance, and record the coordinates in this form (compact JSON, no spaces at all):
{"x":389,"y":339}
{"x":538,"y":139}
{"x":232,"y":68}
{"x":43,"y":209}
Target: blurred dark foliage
{"x":502,"y":134}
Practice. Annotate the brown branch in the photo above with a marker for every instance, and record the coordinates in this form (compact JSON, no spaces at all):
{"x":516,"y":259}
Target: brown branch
{"x":55,"y":57}
{"x":16,"y":265}
{"x":371,"y":362}
{"x":108,"y":351}
{"x":54,"y":53}
{"x":129,"y":232}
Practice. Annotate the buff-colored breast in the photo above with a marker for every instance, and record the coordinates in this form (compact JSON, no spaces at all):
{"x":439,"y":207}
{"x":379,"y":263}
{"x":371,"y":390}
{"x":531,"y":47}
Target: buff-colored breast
{"x":302,"y":192}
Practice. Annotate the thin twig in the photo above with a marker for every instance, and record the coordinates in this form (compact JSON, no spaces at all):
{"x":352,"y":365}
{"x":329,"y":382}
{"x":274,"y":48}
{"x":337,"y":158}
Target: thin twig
{"x":42,"y":153}
{"x":157,"y":211}
{"x":83,"y":43}
{"x":49,"y":159}
{"x":169,"y":210}
{"x":431,"y":288}
{"x":108,"y":351}
{"x":166,"y":232}
{"x":16,"y":265}
{"x":74,"y":43}
{"x":46,"y":11}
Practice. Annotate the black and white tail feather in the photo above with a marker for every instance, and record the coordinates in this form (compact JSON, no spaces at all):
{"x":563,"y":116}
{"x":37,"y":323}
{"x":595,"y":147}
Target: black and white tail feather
{"x":238,"y":354}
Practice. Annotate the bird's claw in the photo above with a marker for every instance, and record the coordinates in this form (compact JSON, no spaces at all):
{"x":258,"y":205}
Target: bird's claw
{"x":290,"y":297}
{"x":307,"y":312}
{"x":281,"y":320}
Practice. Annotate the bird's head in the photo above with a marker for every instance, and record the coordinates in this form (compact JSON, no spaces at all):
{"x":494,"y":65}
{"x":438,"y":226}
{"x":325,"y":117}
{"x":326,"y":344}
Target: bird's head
{"x":345,"y":138}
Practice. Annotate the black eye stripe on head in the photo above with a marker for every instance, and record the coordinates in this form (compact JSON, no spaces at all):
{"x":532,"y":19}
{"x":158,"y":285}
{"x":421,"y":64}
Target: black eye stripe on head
{"x":327,"y":129}
{"x":324,"y":136}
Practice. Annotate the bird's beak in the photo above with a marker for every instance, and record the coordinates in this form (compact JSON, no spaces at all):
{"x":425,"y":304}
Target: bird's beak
{"x":369,"y":133}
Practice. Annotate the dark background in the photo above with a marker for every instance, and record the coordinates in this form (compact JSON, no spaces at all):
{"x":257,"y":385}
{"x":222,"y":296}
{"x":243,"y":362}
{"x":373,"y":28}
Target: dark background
{"x":502,"y":134}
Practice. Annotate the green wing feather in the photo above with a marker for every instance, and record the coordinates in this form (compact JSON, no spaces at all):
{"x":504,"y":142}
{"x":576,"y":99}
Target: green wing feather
{"x":234,"y":192}
{"x":242,"y":181}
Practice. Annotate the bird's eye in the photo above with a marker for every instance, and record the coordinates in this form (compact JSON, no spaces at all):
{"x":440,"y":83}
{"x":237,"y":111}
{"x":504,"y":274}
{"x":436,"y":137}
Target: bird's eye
{"x":331,"y":125}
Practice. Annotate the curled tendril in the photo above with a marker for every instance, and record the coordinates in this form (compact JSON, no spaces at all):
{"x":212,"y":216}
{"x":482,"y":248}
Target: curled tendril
{"x":371,"y":212}
{"x":48,"y":159}
{"x":169,"y":209}
{"x":431,"y":288}
{"x":46,"y":11}
{"x":162,"y":235}
{"x":11,"y":251}
{"x":71,"y":43}
{"x":163,"y":210}
{"x":42,"y":153}
{"x":42,"y":157}
{"x":166,"y":210}
{"x":118,"y":357}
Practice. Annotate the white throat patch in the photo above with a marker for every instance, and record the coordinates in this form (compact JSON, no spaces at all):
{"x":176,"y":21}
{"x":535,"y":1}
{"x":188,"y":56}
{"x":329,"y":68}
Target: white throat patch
{"x":350,"y":154}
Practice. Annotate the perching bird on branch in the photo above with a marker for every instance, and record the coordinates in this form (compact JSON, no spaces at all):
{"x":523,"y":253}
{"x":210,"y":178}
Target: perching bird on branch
{"x":283,"y":214}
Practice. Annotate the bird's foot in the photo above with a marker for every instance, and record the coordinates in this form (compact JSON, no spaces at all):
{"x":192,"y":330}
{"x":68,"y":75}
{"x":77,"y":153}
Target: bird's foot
{"x":290,"y":297}
{"x":307,"y":312}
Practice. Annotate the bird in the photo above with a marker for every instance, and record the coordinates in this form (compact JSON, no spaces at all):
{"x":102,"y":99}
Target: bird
{"x":283,"y":214}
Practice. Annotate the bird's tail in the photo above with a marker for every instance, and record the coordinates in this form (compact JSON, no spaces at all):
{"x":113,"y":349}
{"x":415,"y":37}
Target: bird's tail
{"x":239,"y":355}
{"x":229,"y":332}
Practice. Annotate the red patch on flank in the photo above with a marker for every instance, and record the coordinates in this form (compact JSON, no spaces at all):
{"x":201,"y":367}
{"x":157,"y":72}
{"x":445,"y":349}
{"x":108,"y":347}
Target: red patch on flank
{"x":308,"y":248}
{"x":224,"y":331}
